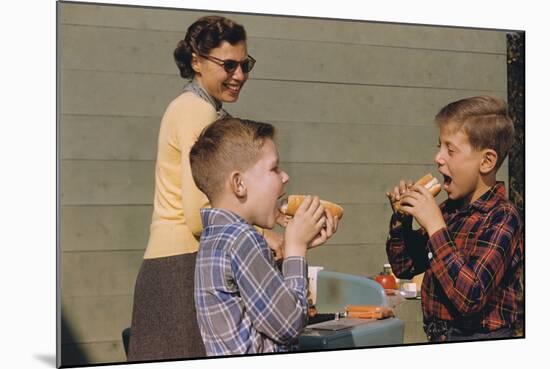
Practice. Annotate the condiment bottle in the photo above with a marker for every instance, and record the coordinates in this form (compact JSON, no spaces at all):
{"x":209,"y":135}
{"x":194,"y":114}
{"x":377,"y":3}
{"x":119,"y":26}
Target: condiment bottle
{"x":386,"y":278}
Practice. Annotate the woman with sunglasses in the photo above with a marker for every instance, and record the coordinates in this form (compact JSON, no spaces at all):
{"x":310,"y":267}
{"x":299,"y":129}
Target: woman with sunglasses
{"x":214,"y":57}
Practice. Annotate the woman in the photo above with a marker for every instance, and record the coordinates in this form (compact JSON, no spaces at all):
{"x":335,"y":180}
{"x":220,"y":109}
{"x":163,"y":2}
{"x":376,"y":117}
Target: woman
{"x":214,"y":55}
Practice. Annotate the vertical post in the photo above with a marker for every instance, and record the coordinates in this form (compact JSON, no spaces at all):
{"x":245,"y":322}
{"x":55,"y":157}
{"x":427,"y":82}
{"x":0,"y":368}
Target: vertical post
{"x":516,"y":110}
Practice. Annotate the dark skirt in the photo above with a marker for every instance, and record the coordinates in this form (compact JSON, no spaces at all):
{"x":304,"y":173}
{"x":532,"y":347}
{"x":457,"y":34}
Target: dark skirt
{"x":164,"y":321}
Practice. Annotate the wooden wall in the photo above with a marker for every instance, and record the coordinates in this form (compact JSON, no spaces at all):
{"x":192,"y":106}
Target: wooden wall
{"x":353,"y":103}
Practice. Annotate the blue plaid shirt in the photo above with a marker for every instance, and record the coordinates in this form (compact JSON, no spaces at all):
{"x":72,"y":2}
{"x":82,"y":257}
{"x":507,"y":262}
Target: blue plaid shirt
{"x":244,"y":303}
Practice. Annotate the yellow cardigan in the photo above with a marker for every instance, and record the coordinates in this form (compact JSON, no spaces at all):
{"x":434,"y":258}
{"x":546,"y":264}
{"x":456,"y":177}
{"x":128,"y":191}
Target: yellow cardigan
{"x":176,"y":224}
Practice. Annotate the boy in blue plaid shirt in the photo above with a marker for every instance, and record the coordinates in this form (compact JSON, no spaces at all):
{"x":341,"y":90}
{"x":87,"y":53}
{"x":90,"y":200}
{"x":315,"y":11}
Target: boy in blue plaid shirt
{"x":244,"y":303}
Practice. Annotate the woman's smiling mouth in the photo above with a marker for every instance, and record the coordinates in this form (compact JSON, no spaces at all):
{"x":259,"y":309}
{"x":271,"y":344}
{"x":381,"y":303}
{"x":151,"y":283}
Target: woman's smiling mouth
{"x":235,"y":88}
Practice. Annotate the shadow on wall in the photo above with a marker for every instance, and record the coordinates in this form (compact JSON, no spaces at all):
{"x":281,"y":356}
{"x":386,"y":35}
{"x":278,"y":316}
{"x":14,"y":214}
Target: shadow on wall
{"x":46,"y":359}
{"x":71,"y":354}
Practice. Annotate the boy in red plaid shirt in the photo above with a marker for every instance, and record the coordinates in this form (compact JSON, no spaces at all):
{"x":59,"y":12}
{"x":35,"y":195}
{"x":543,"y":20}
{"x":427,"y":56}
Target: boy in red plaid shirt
{"x":471,"y":247}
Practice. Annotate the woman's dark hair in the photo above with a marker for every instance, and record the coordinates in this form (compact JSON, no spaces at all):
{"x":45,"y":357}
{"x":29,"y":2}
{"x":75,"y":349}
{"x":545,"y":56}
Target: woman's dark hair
{"x":205,"y":34}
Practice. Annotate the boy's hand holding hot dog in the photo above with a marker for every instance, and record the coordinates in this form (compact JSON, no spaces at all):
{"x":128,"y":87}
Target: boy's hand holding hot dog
{"x":396,"y":195}
{"x":332,"y":213}
{"x":417,"y":200}
{"x":420,"y":203}
{"x":330,"y":227}
{"x":308,"y":227}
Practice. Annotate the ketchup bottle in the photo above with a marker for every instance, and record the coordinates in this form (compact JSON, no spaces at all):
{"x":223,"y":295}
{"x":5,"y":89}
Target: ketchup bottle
{"x":386,"y":278}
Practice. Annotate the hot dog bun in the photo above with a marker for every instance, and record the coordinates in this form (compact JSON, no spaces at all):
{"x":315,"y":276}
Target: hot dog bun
{"x":290,"y":206}
{"x":428,"y":181}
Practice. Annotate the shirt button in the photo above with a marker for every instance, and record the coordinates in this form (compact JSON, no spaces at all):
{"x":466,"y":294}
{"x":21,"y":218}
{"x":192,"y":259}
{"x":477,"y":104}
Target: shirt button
{"x":430,"y":255}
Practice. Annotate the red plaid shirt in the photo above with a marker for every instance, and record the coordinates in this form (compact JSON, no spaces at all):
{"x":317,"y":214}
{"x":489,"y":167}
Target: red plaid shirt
{"x":473,"y":267}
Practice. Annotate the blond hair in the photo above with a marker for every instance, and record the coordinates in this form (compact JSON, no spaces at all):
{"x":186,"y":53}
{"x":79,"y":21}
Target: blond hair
{"x":484,"y":120}
{"x":226,"y":145}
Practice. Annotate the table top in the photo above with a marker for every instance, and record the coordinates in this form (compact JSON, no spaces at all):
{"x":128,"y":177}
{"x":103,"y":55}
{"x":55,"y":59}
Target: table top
{"x":349,"y":333}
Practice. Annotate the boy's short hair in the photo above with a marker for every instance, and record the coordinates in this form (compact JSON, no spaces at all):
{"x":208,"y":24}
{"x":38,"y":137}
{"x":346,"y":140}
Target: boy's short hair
{"x":226,"y":145}
{"x":484,"y":119}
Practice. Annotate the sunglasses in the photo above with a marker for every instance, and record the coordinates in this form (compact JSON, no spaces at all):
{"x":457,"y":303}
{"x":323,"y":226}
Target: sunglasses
{"x":230,"y":66}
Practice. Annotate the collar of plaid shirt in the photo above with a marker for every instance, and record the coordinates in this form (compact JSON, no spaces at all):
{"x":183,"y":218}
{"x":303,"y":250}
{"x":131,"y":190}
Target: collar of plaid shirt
{"x":483,"y":204}
{"x":211,"y":216}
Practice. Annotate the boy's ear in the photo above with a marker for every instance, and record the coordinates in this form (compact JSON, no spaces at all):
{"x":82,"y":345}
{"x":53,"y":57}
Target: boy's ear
{"x":195,"y":63}
{"x":488,"y":161}
{"x":236,"y":182}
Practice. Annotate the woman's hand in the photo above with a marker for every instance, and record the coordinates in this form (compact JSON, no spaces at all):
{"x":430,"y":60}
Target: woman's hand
{"x":275,"y":241}
{"x":282,"y":219}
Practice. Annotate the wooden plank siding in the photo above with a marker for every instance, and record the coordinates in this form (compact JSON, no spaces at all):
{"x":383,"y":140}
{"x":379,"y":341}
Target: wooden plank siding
{"x":286,"y":27}
{"x":353,"y":103}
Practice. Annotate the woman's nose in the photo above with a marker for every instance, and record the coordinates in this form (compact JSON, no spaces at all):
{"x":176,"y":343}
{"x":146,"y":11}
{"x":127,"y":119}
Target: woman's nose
{"x":239,"y":75}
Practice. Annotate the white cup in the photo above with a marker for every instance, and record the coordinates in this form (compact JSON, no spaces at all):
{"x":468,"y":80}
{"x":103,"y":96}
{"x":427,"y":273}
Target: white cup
{"x":312,"y":280}
{"x":409,"y":289}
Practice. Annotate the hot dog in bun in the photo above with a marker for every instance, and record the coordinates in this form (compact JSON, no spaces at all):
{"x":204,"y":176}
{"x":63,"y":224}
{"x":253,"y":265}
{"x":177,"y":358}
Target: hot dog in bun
{"x":429,"y":182}
{"x":291,"y":204}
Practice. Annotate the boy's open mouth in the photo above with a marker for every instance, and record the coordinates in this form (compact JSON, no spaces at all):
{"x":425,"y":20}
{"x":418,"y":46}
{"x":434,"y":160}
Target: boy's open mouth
{"x":281,"y":202}
{"x":446,"y":180}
